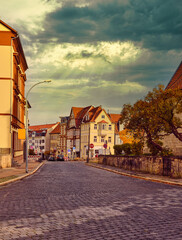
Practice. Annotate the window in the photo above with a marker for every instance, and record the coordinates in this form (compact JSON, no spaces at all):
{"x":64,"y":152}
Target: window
{"x":109,"y":139}
{"x":95,"y":138}
{"x":95,"y":126}
{"x":104,"y":126}
{"x":102,"y":139}
{"x":103,"y":116}
{"x":110,"y":127}
{"x":42,"y":141}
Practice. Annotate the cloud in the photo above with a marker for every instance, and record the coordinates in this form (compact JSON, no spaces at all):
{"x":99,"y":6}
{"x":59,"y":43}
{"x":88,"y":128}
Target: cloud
{"x":149,"y":23}
{"x":96,"y":52}
{"x":27,"y":14}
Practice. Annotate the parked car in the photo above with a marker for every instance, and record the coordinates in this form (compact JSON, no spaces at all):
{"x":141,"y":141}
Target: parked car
{"x":51,"y":158}
{"x":60,"y":158}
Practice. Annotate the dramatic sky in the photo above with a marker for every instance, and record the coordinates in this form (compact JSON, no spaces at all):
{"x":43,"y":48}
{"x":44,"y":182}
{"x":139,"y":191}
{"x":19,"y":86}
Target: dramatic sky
{"x":96,"y":52}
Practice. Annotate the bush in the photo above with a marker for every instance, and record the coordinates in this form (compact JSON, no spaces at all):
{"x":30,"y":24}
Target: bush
{"x":118,"y":149}
{"x":31,"y":152}
{"x":137,"y":148}
{"x":127,"y":148}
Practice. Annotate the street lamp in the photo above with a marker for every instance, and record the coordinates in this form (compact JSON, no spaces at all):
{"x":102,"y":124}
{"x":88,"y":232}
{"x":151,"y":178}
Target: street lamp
{"x":26,"y":124}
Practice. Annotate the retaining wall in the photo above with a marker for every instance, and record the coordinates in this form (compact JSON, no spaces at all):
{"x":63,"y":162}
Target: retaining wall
{"x":166,"y":166}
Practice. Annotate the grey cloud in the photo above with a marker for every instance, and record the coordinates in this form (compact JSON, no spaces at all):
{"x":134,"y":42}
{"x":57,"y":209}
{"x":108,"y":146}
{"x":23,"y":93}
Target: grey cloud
{"x":148,"y":21}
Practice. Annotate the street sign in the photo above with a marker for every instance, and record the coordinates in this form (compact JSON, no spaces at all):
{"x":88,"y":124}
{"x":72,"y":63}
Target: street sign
{"x":74,"y":148}
{"x":91,"y":145}
{"x":105,"y":145}
{"x":69,"y":150}
{"x":21,"y":134}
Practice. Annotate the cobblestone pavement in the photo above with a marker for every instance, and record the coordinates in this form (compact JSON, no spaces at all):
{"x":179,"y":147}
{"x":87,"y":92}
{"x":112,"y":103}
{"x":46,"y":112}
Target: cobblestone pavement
{"x":69,"y":200}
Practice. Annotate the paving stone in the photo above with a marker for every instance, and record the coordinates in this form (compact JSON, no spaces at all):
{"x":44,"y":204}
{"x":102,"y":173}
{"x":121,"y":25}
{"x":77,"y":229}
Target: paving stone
{"x":69,"y":200}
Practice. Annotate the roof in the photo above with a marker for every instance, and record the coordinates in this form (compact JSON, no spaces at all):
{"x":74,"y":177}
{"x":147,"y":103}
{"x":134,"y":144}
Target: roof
{"x":56,"y":130}
{"x":115,"y":117}
{"x":176,"y":80}
{"x":41,"y":127}
{"x":79,"y":113}
{"x":16,"y":39}
{"x":10,"y":28}
{"x":102,"y":121}
{"x":94,"y":113}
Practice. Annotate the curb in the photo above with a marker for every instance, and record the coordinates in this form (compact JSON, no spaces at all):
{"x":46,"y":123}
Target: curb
{"x":139,"y":177}
{"x":23,"y":176}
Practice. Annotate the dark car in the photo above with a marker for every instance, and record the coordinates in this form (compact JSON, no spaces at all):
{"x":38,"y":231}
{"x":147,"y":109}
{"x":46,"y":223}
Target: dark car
{"x":51,"y":158}
{"x":60,"y":158}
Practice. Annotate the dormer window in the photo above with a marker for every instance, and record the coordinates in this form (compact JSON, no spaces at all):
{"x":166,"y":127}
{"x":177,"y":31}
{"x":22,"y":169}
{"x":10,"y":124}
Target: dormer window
{"x":103,"y":116}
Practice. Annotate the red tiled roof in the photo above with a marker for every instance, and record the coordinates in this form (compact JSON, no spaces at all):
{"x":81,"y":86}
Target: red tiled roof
{"x":56,"y":130}
{"x":176,"y":80}
{"x":102,"y":121}
{"x":79,"y":113}
{"x":41,"y":127}
{"x":94,"y":113}
{"x":115,"y":117}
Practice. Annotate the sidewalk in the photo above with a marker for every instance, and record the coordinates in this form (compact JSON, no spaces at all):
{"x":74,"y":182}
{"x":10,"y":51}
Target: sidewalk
{"x":8,"y":175}
{"x":139,"y":175}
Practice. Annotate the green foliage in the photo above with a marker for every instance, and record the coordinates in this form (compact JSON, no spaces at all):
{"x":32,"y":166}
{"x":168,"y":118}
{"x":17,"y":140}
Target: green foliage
{"x":154,"y":117}
{"x":137,"y":148}
{"x":129,"y":149}
{"x":31,"y":152}
{"x":118,"y":149}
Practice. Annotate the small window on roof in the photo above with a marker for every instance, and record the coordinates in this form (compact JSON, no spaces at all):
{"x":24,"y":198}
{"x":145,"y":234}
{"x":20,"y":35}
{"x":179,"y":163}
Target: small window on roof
{"x":103,"y":116}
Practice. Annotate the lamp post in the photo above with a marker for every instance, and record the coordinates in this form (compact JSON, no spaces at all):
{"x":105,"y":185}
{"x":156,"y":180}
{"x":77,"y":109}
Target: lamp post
{"x":26,"y":124}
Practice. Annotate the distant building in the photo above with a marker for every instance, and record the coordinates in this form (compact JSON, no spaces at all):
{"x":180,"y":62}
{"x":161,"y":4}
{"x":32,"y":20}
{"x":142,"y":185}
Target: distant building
{"x":171,"y":141}
{"x":55,"y":140}
{"x":39,"y":137}
{"x":73,"y":130}
{"x":97,"y":131}
{"x":176,"y":80}
{"x":13,"y":66}
{"x":115,"y":118}
{"x":63,"y":135}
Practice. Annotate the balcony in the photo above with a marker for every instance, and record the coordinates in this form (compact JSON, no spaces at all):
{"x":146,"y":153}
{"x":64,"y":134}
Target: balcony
{"x":102,"y":132}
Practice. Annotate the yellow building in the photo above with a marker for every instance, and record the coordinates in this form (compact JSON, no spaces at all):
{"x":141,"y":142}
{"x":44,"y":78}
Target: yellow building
{"x":97,"y":130}
{"x":12,"y":101}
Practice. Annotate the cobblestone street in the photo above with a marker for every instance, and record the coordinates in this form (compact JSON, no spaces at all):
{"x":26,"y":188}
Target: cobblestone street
{"x":69,"y":200}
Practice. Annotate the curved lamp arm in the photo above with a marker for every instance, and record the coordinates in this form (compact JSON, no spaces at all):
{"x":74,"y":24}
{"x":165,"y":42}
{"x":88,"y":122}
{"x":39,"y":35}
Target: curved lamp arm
{"x":46,"y":81}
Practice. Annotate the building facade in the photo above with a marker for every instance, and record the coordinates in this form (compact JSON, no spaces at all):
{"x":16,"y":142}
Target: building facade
{"x":171,"y":141}
{"x":97,"y":133}
{"x":63,"y":135}
{"x":73,"y":130}
{"x":55,"y":141}
{"x":39,"y":138}
{"x":13,"y":66}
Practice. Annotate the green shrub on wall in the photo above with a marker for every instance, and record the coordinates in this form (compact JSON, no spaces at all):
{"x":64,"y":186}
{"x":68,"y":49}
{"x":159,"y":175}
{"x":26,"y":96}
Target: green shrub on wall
{"x":31,"y":152}
{"x":129,"y":148}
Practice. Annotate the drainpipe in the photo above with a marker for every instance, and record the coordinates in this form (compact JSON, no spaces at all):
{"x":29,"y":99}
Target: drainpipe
{"x":11,"y":92}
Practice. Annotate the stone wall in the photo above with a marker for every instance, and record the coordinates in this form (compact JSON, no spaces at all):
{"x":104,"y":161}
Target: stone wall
{"x":5,"y":161}
{"x":167,"y":166}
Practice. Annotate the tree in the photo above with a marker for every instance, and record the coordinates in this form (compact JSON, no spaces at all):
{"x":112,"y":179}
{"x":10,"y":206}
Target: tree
{"x":167,"y":106}
{"x":138,"y":119}
{"x":156,"y":116}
